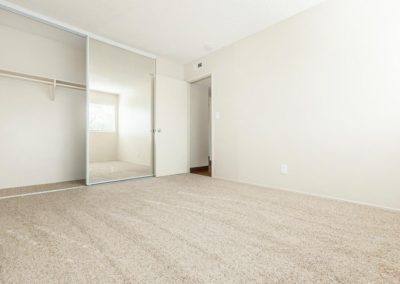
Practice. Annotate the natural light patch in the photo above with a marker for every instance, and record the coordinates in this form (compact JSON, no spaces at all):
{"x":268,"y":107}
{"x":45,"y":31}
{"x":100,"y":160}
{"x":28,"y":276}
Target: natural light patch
{"x":101,"y":118}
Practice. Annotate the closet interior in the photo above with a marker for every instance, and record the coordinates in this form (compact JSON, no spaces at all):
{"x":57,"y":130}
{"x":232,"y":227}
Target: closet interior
{"x":74,"y":110}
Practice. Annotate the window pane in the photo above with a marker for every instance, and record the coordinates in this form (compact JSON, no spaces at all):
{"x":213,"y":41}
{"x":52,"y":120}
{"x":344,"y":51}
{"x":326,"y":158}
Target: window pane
{"x":101,"y":118}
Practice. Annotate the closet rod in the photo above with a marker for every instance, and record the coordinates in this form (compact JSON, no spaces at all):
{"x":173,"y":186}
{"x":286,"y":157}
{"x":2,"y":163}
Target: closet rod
{"x":43,"y":80}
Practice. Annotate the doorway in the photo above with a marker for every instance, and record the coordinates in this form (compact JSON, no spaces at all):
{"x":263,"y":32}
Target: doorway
{"x":200,"y":127}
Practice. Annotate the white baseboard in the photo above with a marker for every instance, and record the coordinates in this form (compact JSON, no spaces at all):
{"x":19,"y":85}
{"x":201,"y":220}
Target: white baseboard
{"x":312,"y":194}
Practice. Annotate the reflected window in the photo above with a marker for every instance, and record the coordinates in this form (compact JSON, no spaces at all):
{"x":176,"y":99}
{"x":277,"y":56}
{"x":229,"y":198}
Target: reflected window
{"x":101,"y":118}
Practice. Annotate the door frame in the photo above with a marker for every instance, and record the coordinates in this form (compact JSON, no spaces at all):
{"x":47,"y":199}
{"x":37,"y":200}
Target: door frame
{"x":212,"y":124}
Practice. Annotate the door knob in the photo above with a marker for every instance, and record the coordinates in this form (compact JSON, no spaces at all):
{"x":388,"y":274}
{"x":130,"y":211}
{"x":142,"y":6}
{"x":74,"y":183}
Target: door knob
{"x":159,"y":130}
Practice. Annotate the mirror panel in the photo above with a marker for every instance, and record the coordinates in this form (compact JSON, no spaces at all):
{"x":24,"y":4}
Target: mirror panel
{"x":120,"y":113}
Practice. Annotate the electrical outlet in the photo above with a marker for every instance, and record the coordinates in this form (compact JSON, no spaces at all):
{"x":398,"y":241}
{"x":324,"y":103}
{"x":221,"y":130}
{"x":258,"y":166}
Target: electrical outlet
{"x":284,"y":169}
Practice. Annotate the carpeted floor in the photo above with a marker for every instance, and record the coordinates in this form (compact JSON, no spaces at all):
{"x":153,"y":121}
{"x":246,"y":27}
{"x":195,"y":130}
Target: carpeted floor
{"x":194,"y":229}
{"x":114,"y":170}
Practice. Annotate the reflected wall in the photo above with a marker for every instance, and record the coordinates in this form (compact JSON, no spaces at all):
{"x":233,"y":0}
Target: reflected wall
{"x":120,"y":113}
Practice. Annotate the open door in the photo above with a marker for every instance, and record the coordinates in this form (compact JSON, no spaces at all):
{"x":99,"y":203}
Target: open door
{"x":200,"y":127}
{"x":171,"y":126}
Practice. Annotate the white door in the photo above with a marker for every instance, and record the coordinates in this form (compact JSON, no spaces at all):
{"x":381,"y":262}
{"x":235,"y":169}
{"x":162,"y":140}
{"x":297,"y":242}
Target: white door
{"x":171,"y":124}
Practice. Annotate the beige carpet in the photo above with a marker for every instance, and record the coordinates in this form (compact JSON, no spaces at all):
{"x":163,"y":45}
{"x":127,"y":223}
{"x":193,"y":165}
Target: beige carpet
{"x":194,"y":229}
{"x":114,"y":170}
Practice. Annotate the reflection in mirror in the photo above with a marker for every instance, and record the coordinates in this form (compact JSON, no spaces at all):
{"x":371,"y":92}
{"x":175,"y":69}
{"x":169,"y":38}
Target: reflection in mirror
{"x":119,"y":113}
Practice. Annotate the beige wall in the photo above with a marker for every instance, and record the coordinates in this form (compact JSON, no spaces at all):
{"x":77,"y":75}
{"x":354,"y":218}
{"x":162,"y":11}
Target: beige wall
{"x":169,"y":68}
{"x":198,"y":125}
{"x":41,"y":141}
{"x":318,"y":92}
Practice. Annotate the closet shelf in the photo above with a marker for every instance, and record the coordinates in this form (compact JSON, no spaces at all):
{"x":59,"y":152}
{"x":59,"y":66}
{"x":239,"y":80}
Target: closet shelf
{"x":52,"y":82}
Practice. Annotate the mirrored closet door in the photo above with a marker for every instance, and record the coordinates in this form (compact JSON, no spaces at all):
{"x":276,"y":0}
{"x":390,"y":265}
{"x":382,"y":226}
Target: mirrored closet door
{"x":120,"y":113}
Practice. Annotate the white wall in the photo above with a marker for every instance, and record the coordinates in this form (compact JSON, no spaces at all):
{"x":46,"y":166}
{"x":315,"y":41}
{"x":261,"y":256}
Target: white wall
{"x":169,"y":68}
{"x":42,"y":141}
{"x":319,"y":92}
{"x":104,"y":145}
{"x":199,"y":117}
{"x":135,"y":117}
